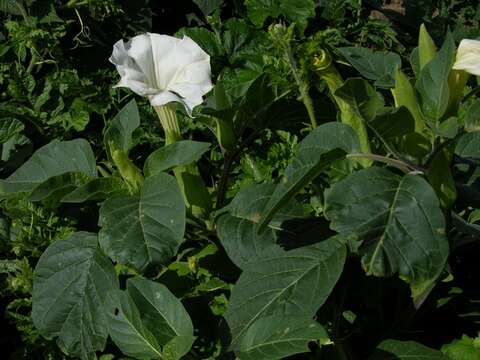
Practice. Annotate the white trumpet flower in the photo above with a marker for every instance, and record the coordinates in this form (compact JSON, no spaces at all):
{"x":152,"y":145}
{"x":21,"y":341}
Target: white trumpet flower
{"x":164,"y":69}
{"x":468,"y":57}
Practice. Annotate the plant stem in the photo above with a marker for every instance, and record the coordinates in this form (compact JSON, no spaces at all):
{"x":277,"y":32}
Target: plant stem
{"x":195,"y":193}
{"x":168,"y":118}
{"x":302,"y":87}
{"x":386,"y":160}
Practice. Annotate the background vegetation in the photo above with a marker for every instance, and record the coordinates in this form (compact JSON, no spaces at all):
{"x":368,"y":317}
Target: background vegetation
{"x":56,"y":82}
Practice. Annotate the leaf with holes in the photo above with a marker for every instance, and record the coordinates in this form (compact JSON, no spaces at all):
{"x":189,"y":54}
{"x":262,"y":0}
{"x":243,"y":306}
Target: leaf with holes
{"x":151,"y":323}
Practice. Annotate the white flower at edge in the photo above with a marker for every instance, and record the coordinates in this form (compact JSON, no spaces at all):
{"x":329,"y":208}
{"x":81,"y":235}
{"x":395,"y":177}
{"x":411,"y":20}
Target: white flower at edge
{"x":164,"y":69}
{"x":468,"y":57}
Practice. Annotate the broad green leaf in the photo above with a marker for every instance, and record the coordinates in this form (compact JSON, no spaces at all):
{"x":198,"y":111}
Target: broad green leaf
{"x":297,"y":11}
{"x":177,"y":347}
{"x":465,"y":348}
{"x":471,"y":119}
{"x":206,"y":39}
{"x":160,"y":310}
{"x":240,"y":240}
{"x":378,"y":66}
{"x":432,"y":82}
{"x":149,"y":318}
{"x":71,"y":287}
{"x":208,"y":6}
{"x":447,"y":128}
{"x":415,"y":62}
{"x":260,"y":10}
{"x":394,"y":123}
{"x":14,"y":7}
{"x":9,"y":127}
{"x":119,"y":133}
{"x":250,"y":202}
{"x":96,"y":189}
{"x":325,"y":144}
{"x":182,"y":152}
{"x":440,"y":177}
{"x":55,"y":188}
{"x":145,"y":229}
{"x":399,"y":221}
{"x":53,"y":159}
{"x":238,"y":35}
{"x":426,"y":47}
{"x":283,"y":283}
{"x":400,"y":350}
{"x":129,"y":333}
{"x":404,"y":94}
{"x":416,"y":145}
{"x":276,"y":337}
{"x":236,"y":82}
{"x":468,"y":145}
{"x":245,"y":45}
{"x":362,"y":97}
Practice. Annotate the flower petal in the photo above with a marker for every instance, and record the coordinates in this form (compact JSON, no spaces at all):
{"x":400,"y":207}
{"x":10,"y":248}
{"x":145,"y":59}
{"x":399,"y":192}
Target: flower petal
{"x":134,"y":69}
{"x":468,"y":57}
{"x":163,"y":98}
{"x":164,"y":68}
{"x":166,"y":97}
{"x":182,"y":67}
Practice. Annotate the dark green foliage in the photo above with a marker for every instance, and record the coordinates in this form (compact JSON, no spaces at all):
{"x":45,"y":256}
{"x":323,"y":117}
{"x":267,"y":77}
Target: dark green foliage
{"x":310,"y":248}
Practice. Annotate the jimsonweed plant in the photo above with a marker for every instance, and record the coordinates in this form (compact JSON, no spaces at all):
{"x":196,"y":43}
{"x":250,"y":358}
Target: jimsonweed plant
{"x":310,"y":198}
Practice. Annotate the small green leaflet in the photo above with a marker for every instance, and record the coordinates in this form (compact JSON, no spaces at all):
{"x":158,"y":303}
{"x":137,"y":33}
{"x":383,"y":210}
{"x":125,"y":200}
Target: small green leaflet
{"x":468,"y":145}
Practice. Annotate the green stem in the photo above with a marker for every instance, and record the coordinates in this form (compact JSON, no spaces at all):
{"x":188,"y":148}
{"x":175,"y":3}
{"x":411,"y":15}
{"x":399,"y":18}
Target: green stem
{"x":386,"y":160}
{"x":168,"y":118}
{"x":195,"y":193}
{"x":326,"y":70}
{"x":302,"y":87}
